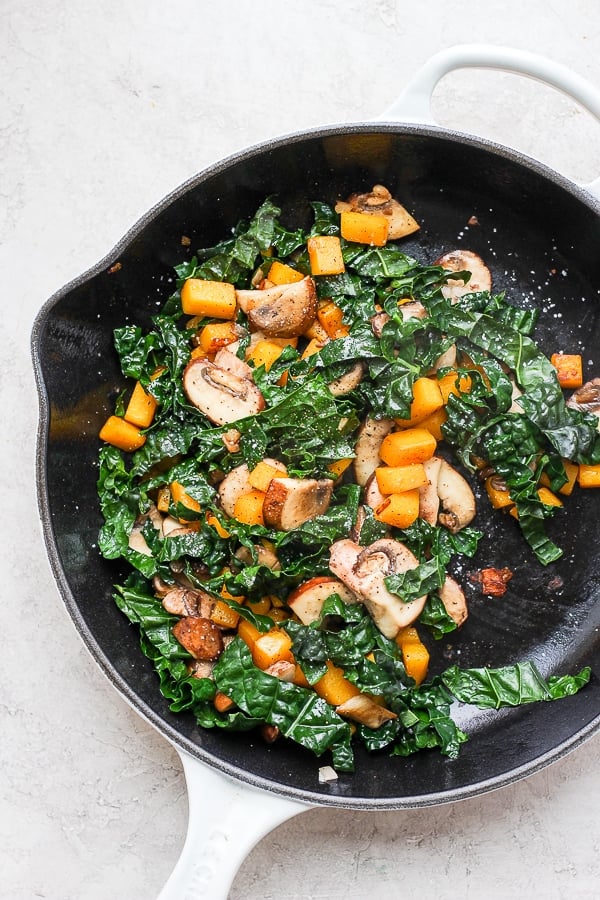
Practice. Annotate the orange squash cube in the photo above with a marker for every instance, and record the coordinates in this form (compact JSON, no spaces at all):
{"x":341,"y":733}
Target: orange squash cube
{"x":325,"y":255}
{"x":122,"y":434}
{"x":569,"y":369}
{"x":334,"y":687}
{"x":248,"y":508}
{"x":427,"y":399}
{"x":364,"y":228}
{"x":272,"y":647}
{"x":396,"y":479}
{"x":141,"y":407}
{"x":399,"y":510}
{"x":412,"y":445}
{"x":214,"y":299}
{"x":281,"y":273}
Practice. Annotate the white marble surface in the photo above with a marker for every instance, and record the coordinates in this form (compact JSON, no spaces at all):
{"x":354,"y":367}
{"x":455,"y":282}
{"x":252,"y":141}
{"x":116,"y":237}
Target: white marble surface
{"x":105,"y":108}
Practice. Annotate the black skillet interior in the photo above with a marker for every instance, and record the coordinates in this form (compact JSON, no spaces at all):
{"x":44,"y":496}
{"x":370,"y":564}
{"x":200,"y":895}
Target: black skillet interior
{"x":541,"y":238}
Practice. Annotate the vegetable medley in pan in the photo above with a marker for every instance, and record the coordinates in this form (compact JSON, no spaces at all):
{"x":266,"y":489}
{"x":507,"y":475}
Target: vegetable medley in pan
{"x":291,"y":478}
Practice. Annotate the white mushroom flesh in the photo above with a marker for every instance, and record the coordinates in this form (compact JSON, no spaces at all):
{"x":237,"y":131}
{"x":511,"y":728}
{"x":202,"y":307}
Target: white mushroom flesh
{"x":364,"y":569}
{"x":221,"y":395}
{"x":465,"y":261}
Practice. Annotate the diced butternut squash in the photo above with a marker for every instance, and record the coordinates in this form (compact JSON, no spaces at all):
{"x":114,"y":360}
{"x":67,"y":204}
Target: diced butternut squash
{"x":399,"y":510}
{"x":248,"y":632}
{"x":316,"y":331}
{"x":364,"y":228}
{"x":141,"y":407}
{"x":547,"y":497}
{"x":338,"y":467}
{"x":163,"y":501}
{"x":334,"y":687}
{"x":427,"y":399}
{"x":199,"y":353}
{"x":415,"y":655}
{"x":213,"y":299}
{"x":411,"y":445}
{"x":264,"y":353}
{"x":313,"y":346}
{"x":223,"y":615}
{"x":222,"y":702}
{"x":433,"y":423}
{"x":248,"y":508}
{"x":396,"y":479}
{"x":325,"y":255}
{"x":272,"y":647}
{"x":589,"y":476}
{"x":263,"y":473}
{"x":281,"y":273}
{"x":499,"y":497}
{"x":180,"y":495}
{"x":122,"y":434}
{"x":216,"y":335}
{"x":212,"y":520}
{"x":454,"y":383}
{"x":261,"y":607}
{"x":569,"y":369}
{"x":571,"y":471}
{"x":330,"y":316}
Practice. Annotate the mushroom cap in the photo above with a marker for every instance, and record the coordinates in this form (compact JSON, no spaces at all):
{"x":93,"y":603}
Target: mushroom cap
{"x":219,"y":393}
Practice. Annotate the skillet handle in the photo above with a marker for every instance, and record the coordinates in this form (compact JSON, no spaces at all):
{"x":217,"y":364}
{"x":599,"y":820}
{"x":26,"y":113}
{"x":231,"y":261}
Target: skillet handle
{"x":414,"y":103}
{"x":226,"y":819}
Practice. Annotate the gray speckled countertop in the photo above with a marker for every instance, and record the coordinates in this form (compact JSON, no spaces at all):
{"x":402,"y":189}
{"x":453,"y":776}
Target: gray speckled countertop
{"x":106,"y":107}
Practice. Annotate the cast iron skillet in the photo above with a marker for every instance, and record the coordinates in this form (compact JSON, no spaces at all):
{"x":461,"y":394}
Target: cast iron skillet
{"x":540,"y":235}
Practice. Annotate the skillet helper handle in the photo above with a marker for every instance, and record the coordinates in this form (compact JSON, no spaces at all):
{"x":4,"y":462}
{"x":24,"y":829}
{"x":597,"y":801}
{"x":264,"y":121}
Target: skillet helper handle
{"x":414,"y":103}
{"x":226,"y":819}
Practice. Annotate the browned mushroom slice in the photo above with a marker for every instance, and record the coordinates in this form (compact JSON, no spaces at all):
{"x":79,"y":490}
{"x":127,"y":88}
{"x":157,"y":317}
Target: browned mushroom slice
{"x":226,"y":359}
{"x":429,"y":500}
{"x":348,"y":381}
{"x":201,"y":638}
{"x":186,"y":602}
{"x":456,"y":498}
{"x":380,"y":202}
{"x":465,"y":261}
{"x":291,"y":501}
{"x":265,"y":556}
{"x":414,"y":309}
{"x":364,"y":570}
{"x":308,"y":598}
{"x":370,"y":436}
{"x":365,"y":710}
{"x":285,"y":310}
{"x":454,"y":600}
{"x":372,"y":495}
{"x":587,"y":399}
{"x":235,"y":483}
{"x":221,"y":395}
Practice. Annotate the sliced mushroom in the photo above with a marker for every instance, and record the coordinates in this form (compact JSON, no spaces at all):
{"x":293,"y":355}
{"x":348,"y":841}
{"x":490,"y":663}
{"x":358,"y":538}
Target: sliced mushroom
{"x":377,"y":323}
{"x":348,"y":381}
{"x":221,"y":395}
{"x":429,"y":500}
{"x":185,"y":602}
{"x":265,"y":556}
{"x":284,"y":310}
{"x":372,"y":495}
{"x":454,"y":600}
{"x":370,"y":436}
{"x":291,"y":501}
{"x":456,"y":498}
{"x":235,"y":483}
{"x":414,"y":309}
{"x":587,"y":399}
{"x":365,"y":710}
{"x":448,"y":358}
{"x":201,"y":638}
{"x":364,"y":570}
{"x":308,"y":598}
{"x":282,"y":669}
{"x":464,"y":261}
{"x":226,"y":359}
{"x":380,"y":202}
